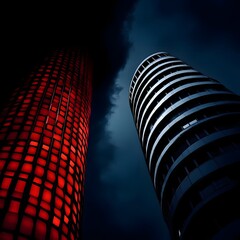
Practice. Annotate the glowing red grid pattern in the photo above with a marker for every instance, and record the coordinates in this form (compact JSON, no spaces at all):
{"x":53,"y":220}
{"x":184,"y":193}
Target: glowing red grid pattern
{"x":43,"y":144}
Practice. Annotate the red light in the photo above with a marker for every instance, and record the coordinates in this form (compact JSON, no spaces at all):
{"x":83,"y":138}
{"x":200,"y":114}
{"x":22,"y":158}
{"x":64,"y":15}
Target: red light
{"x":61,"y":182}
{"x":12,"y":166}
{"x":32,"y":150}
{"x":40,"y":229}
{"x":51,"y":176}
{"x":20,"y":186}
{"x":42,"y":155}
{"x":6,"y":236}
{"x":16,"y":156}
{"x":10,"y":221}
{"x":56,"y":221}
{"x":30,"y":210}
{"x":34,"y":190}
{"x":35,"y":136}
{"x":14,"y":206}
{"x":67,"y":209}
{"x":5,"y":183}
{"x":43,"y":214}
{"x":54,"y":234}
{"x":39,"y":171}
{"x":27,"y":167}
{"x":26,"y":225}
{"x":47,"y":195}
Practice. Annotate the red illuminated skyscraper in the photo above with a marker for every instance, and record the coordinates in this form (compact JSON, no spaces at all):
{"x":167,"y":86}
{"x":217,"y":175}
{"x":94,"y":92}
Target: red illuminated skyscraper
{"x":43,"y":144}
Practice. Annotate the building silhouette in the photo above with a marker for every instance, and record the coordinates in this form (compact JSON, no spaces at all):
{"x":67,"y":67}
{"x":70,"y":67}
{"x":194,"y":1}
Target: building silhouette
{"x":189,"y":129}
{"x":43,"y":143}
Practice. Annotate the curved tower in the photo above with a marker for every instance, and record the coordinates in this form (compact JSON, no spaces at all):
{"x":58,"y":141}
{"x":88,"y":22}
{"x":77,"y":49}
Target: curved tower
{"x":189,"y":128}
{"x":43,"y":143}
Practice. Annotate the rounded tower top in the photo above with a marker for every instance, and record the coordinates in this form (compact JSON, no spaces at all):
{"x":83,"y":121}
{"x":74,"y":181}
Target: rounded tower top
{"x":147,"y":61}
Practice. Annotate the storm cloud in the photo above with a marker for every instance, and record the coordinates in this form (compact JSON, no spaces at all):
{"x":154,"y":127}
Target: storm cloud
{"x":197,"y":33}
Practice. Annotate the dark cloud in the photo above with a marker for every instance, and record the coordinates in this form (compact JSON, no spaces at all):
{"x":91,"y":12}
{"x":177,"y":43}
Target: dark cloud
{"x":30,"y":30}
{"x":203,"y":33}
{"x":100,"y":220}
{"x":182,"y":29}
{"x":211,"y":18}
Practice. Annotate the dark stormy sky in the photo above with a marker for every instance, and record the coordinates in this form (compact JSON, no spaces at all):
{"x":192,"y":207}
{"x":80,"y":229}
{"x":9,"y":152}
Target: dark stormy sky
{"x":206,"y":35}
{"x":120,"y":202}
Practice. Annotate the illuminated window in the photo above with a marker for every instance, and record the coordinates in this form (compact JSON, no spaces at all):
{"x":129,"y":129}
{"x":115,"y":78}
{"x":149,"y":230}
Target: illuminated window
{"x":40,"y":149}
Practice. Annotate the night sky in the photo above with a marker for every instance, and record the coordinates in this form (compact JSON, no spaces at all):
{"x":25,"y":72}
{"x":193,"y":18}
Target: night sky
{"x":120,"y":202}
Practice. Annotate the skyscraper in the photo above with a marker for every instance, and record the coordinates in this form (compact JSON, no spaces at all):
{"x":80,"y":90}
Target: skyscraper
{"x":43,"y":143}
{"x":189,"y":128}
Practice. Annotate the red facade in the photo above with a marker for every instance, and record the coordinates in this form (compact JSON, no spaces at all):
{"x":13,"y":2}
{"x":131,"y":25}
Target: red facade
{"x":43,"y":144}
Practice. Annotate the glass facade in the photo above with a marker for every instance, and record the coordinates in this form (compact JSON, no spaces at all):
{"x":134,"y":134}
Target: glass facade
{"x":43,"y":145}
{"x":189,"y":128}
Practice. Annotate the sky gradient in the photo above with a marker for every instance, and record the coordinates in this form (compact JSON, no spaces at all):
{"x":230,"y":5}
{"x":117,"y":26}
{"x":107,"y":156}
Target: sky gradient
{"x":204,"y":34}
